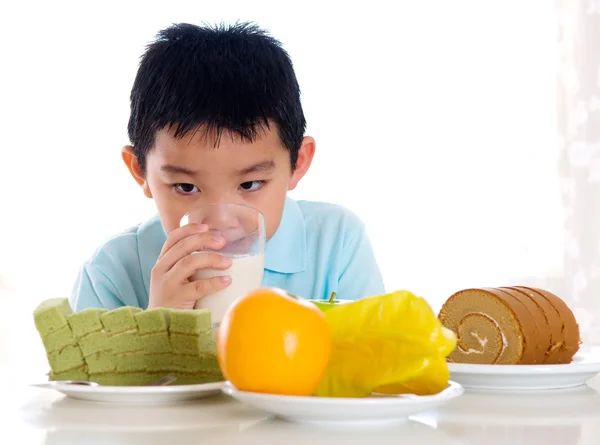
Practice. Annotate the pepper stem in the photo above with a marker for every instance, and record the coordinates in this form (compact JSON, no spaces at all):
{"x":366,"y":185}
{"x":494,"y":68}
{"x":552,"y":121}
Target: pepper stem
{"x":333,"y":294}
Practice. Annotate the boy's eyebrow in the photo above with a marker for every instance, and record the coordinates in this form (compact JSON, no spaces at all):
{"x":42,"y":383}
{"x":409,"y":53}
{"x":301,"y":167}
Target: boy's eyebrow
{"x":263,"y":167}
{"x":174,"y":169}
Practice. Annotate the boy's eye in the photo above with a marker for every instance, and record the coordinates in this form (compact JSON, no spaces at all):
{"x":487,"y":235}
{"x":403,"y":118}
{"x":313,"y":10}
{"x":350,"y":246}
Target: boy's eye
{"x":252,"y":186}
{"x":186,"y":189}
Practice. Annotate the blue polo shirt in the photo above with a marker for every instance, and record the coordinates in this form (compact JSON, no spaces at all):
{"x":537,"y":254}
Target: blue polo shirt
{"x":319,"y":248}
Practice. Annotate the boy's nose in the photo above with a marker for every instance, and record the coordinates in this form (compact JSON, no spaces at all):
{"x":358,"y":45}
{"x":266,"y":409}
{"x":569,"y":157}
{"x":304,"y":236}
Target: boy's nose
{"x":222,"y":221}
{"x":229,"y":219}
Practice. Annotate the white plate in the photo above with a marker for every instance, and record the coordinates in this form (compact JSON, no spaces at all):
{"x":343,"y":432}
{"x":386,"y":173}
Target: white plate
{"x":478,"y":409}
{"x":347,"y":411}
{"x":138,"y":394}
{"x":585,"y":365}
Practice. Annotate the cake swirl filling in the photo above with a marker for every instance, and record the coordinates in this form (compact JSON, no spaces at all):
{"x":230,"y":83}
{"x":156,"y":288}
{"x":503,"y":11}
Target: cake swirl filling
{"x":479,"y":333}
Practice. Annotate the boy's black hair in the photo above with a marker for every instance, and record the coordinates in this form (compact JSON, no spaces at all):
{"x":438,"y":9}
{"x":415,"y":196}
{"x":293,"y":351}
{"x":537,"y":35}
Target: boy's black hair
{"x":235,"y":78}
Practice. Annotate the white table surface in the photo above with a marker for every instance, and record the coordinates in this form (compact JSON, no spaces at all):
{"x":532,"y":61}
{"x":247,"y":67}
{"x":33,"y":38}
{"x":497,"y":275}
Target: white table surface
{"x":33,"y":416}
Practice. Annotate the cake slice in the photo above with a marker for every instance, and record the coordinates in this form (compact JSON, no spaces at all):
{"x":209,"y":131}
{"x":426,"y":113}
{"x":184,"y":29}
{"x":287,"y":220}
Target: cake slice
{"x":191,"y":331}
{"x":571,"y":335}
{"x":553,"y":321}
{"x":51,"y":315}
{"x":153,"y":327}
{"x":60,"y":339}
{"x":152,"y":321}
{"x":92,"y":339}
{"x":79,"y":374}
{"x":123,"y":340}
{"x":192,"y":344}
{"x":127,"y":378}
{"x":131,"y":362}
{"x":194,"y":347}
{"x":157,"y":343}
{"x":86,"y":321}
{"x":120,"y":320}
{"x":490,"y":326}
{"x":62,"y":351}
{"x":159,"y":362}
{"x":100,"y":362}
{"x":93,"y":343}
{"x":67,"y":359}
{"x":190,"y":322}
{"x":205,"y":363}
{"x":121,"y":329}
{"x":541,"y":334}
{"x":89,"y":331}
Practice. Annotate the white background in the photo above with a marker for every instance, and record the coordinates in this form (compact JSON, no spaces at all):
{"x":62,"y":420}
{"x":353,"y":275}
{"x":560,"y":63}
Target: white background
{"x":435,"y":122}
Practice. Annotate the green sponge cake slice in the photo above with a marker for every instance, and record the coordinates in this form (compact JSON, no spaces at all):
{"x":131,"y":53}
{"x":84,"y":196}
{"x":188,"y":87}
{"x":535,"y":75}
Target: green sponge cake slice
{"x":159,"y":362}
{"x":86,"y":321}
{"x":192,"y":344}
{"x":87,"y":327}
{"x":120,"y":320}
{"x":51,"y":315}
{"x":58,"y":340}
{"x":152,"y":321}
{"x":65,"y":360}
{"x":73,"y":374}
{"x":191,"y":322}
{"x":127,"y":378}
{"x":158,"y":343}
{"x":130,"y":362}
{"x":121,"y":329}
{"x":93,"y":343}
{"x":125,"y":342}
{"x":100,"y":362}
{"x":207,"y":364}
{"x":153,"y":326}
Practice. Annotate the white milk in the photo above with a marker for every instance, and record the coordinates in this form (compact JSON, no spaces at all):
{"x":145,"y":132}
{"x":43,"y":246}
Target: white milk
{"x":246,"y":274}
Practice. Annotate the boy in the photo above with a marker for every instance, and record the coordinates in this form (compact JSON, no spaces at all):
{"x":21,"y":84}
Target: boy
{"x":216,"y":117}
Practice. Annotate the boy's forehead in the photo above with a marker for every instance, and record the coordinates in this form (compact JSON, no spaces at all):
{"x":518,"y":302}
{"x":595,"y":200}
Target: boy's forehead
{"x":230,"y":152}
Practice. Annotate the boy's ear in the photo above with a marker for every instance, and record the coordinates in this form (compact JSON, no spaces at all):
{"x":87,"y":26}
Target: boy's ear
{"x":305,"y":157}
{"x":131,"y":161}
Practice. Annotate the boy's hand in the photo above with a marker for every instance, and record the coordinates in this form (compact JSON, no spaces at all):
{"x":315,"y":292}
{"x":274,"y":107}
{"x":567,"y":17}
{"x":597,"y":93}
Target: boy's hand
{"x":170,"y":286}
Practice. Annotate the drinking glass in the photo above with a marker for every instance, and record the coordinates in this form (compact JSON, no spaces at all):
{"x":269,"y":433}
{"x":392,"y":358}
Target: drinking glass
{"x":244,"y":231}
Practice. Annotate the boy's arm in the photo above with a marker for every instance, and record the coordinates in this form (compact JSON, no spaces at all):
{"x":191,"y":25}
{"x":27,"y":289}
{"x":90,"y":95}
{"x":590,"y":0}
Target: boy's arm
{"x":360,"y":276}
{"x":94,"y":289}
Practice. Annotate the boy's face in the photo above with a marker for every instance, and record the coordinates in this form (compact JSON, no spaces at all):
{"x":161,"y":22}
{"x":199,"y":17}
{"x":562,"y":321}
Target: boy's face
{"x":182,"y":174}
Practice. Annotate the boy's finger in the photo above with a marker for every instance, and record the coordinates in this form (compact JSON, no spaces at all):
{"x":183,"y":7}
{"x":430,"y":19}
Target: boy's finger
{"x":185,"y":247}
{"x":187,"y":266}
{"x":180,"y":233}
{"x":207,"y":286}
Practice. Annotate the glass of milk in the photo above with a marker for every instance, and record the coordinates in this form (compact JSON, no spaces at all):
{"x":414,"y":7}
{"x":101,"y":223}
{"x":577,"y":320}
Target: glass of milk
{"x":243,"y":228}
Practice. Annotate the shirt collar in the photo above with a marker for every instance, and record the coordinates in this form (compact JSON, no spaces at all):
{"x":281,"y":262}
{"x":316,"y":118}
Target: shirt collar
{"x":285,"y":252}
